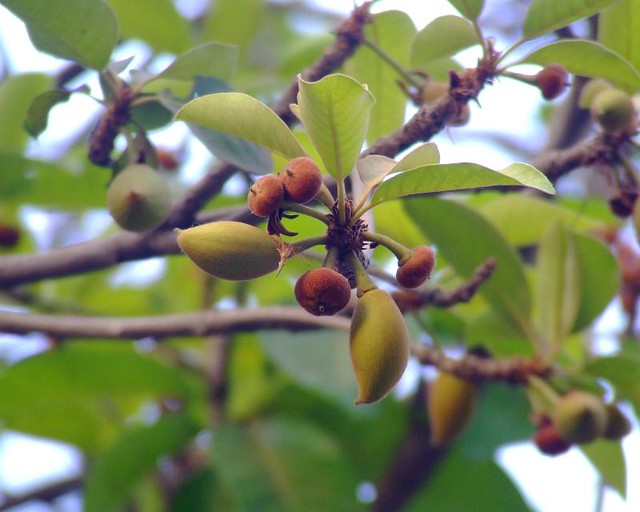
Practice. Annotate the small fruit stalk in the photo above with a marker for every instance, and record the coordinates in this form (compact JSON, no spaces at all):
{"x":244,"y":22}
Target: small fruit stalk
{"x":451,"y":401}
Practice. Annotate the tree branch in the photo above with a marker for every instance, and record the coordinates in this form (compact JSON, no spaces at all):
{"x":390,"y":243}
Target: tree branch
{"x":47,"y":494}
{"x":205,"y":323}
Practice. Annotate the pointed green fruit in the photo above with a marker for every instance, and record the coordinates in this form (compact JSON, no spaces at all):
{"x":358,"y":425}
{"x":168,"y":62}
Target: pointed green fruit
{"x":379,"y":345}
{"x":590,"y":90}
{"x":451,"y":401}
{"x":231,"y":250}
{"x":580,"y":417}
{"x":138,"y":198}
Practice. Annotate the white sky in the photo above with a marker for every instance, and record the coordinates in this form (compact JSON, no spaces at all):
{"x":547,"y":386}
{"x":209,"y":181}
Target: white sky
{"x":559,"y":484}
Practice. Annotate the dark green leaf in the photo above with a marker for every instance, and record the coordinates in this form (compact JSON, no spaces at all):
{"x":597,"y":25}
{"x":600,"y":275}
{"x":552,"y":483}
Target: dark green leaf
{"x":335,"y":113}
{"x":450,"y":177}
{"x":16,"y":95}
{"x":588,"y":58}
{"x":442,"y":38}
{"x":619,"y":30}
{"x":133,"y":456}
{"x":284,"y":465}
{"x":38,"y":114}
{"x":599,"y":277}
{"x":85,"y":31}
{"x":461,"y":483}
{"x":201,"y":493}
{"x":156,"y":22}
{"x":468,"y":8}
{"x":608,"y":459}
{"x":557,"y":284}
{"x":81,"y":393}
{"x":544,"y":16}
{"x":393,"y":32}
{"x":210,"y":59}
{"x":467,"y":240}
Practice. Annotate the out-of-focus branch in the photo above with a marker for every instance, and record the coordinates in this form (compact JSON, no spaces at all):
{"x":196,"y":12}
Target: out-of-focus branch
{"x":205,"y":323}
{"x":46,"y":494}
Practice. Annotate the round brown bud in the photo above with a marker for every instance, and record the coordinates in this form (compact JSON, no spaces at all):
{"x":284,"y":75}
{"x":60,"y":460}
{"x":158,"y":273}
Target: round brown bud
{"x":552,"y":81}
{"x":302,"y":179}
{"x":323,"y":291}
{"x":265,"y":195}
{"x":623,"y":204}
{"x":417,"y":268}
{"x":549,"y":441}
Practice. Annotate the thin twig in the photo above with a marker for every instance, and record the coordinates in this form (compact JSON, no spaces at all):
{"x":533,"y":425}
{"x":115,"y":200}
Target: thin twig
{"x":205,"y":323}
{"x":46,"y":494}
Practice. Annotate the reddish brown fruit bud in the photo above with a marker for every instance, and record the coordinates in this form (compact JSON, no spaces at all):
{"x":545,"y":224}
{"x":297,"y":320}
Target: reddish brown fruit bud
{"x":552,"y":81}
{"x":301,"y":179}
{"x":265,"y":196}
{"x":9,"y":236}
{"x":623,"y":204}
{"x":323,"y":291}
{"x":549,"y":441}
{"x":417,"y":268}
{"x":613,"y":109}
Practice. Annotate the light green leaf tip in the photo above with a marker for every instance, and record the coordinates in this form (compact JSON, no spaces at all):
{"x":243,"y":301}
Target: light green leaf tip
{"x":335,"y":113}
{"x":245,"y":117}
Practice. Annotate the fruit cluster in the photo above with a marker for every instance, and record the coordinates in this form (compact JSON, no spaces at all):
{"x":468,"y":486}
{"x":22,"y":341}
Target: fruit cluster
{"x":578,"y":417}
{"x":379,"y":340}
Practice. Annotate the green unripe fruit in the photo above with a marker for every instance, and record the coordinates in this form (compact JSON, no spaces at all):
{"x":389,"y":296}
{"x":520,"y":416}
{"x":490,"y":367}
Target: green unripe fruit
{"x":613,"y":109}
{"x":451,"y":401}
{"x":301,"y":179}
{"x":416,"y":268}
{"x":230,"y":250}
{"x":580,"y":417}
{"x":323,"y":291}
{"x":590,"y":90}
{"x":139,"y":198}
{"x":552,"y":81}
{"x":265,"y":195}
{"x":618,"y":425}
{"x":379,"y":345}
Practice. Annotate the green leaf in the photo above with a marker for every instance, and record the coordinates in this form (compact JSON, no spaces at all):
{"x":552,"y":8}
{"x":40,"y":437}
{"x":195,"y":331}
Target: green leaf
{"x":38,"y":113}
{"x":318,"y":360}
{"x":557,"y":284}
{"x":599,"y":279}
{"x":134,"y":455}
{"x":393,"y":32}
{"x":619,"y":30}
{"x":608,"y":459}
{"x":210,"y":59}
{"x":235,"y":22}
{"x":623,"y":371}
{"x":443,"y":37}
{"x":372,"y":169}
{"x":85,"y":31}
{"x":426,"y":154}
{"x":48,"y":185}
{"x":16,"y":95}
{"x":161,"y":26}
{"x":544,"y":16}
{"x":522,"y":220}
{"x":470,"y":9}
{"x":461,"y":483}
{"x":588,"y":58}
{"x":467,"y":240}
{"x":82,"y":392}
{"x":284,"y":465}
{"x":239,"y":151}
{"x":335,"y":113}
{"x":245,"y":117}
{"x":449,"y":177}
